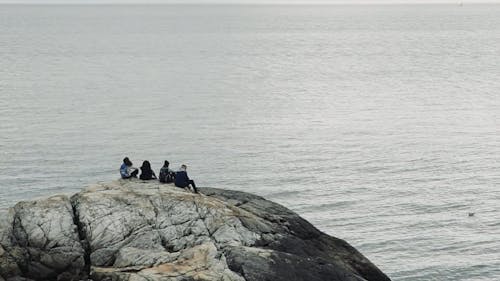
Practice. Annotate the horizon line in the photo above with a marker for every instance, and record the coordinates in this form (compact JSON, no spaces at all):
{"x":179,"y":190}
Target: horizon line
{"x":270,"y":3}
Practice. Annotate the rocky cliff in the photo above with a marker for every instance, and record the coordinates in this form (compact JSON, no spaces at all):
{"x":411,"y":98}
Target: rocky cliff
{"x":134,"y":230}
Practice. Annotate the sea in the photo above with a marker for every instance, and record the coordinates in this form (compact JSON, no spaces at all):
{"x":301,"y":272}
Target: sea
{"x":380,"y":124}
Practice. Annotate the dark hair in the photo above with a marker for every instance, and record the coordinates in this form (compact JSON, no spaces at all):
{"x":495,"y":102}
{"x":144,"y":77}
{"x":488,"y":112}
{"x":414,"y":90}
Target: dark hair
{"x":166,"y":163}
{"x":127,"y":161}
{"x":146,"y":165}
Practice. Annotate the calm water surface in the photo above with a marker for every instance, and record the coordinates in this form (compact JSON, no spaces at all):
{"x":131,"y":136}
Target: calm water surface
{"x":379,"y":124}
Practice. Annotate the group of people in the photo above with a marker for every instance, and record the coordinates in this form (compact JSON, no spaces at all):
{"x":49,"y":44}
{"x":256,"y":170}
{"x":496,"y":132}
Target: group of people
{"x":180,"y":178}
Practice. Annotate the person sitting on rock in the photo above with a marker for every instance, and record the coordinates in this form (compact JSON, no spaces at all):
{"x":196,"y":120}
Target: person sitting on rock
{"x":166,"y":174}
{"x":182,"y":180}
{"x":127,"y":170}
{"x":146,"y":172}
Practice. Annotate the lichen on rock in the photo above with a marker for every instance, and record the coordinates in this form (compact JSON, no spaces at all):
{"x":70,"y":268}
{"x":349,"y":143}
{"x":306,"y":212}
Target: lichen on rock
{"x":137,"y":230}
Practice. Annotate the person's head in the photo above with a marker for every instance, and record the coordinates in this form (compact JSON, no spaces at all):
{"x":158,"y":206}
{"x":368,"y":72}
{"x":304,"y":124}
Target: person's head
{"x":183,"y":167}
{"x":146,"y":165}
{"x":127,"y":161}
{"x":166,"y":163}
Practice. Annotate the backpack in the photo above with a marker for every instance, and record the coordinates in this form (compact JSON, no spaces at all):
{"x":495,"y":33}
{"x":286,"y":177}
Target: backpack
{"x":166,"y":176}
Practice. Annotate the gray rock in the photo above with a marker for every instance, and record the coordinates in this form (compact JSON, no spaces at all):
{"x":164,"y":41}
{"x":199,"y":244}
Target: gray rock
{"x":18,"y":278}
{"x":135,"y":230}
{"x":42,"y":240}
{"x":8,"y":265}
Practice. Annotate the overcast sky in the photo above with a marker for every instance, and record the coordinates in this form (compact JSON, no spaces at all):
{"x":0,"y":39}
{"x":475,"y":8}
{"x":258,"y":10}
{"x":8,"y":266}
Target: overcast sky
{"x":255,"y":1}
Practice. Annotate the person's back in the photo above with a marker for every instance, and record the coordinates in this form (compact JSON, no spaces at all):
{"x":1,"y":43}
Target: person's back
{"x":146,"y":171}
{"x":182,"y":179}
{"x":166,"y":174}
{"x":127,"y":170}
{"x":124,"y":171}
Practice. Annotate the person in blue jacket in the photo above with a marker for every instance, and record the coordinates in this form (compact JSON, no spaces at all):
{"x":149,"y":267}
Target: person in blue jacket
{"x":127,"y":170}
{"x":182,"y":180}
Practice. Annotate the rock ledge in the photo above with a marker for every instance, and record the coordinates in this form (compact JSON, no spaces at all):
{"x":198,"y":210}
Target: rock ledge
{"x":135,"y":231}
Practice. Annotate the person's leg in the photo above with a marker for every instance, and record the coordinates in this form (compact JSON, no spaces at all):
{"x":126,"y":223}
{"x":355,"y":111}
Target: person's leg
{"x":134,"y":173}
{"x":191,"y":182}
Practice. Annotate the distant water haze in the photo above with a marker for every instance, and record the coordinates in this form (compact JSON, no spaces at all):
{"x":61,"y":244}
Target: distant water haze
{"x":379,"y":124}
{"x":257,"y":2}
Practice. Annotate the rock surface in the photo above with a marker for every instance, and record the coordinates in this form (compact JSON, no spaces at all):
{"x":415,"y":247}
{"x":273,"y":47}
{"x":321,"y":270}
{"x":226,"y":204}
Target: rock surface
{"x":135,"y":230}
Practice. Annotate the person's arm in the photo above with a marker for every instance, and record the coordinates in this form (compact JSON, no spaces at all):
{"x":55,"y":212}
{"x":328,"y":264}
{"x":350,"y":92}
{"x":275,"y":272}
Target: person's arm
{"x":124,"y":172}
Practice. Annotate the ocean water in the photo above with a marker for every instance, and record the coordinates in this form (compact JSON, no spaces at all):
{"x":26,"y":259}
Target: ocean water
{"x":379,"y":124}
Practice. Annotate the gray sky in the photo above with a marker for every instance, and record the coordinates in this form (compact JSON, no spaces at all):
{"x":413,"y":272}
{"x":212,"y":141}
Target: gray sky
{"x":255,"y":1}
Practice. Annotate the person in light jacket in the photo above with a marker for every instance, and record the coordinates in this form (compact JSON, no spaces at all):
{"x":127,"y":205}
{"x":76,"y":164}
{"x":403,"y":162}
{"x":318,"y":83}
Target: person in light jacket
{"x":127,"y":170}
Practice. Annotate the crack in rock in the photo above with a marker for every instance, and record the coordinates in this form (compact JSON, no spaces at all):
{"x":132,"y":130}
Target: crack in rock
{"x":139,"y":230}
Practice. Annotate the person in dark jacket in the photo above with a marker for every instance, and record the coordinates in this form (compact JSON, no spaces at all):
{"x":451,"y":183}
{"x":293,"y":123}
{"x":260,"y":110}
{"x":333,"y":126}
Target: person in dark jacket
{"x":127,"y":170}
{"x":182,"y":180}
{"x":146,"y":171}
{"x":166,"y":174}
